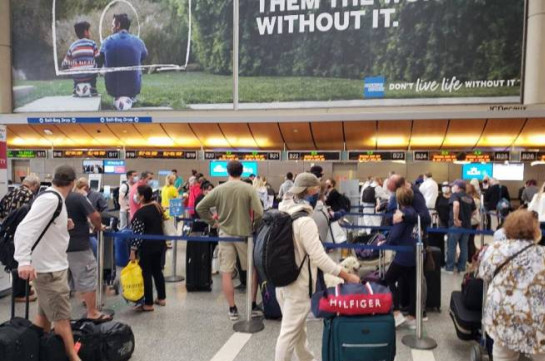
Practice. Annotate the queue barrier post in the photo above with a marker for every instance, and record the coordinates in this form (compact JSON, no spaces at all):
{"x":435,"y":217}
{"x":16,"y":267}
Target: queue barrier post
{"x":174,"y":278}
{"x":418,"y":341}
{"x":100,"y":285}
{"x":250,"y":325}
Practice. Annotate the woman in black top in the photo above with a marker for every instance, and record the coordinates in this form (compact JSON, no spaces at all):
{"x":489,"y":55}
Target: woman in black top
{"x":149,"y":220}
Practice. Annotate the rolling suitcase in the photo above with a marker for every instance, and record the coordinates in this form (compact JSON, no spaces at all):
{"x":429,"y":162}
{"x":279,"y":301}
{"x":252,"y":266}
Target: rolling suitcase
{"x":438,"y":240}
{"x":362,"y":338}
{"x":19,"y":338}
{"x":466,"y":321}
{"x":433,"y":281}
{"x":198,"y":265}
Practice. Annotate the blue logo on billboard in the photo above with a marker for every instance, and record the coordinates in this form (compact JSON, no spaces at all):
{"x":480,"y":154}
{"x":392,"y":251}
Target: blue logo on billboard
{"x":373,"y":87}
{"x":477,"y":170}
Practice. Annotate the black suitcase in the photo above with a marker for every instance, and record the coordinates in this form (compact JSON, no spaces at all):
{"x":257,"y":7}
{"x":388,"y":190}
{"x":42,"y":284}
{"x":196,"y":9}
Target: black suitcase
{"x":52,"y":348}
{"x":438,"y":240}
{"x":198,"y":266}
{"x":109,"y":341}
{"x":19,"y":338}
{"x":433,"y":281}
{"x":466,"y":322}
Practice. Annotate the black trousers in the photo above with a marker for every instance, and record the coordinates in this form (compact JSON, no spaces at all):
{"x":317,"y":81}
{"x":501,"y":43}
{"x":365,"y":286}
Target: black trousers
{"x":471,"y":248}
{"x":150,"y":262}
{"x":18,"y":284}
{"x":397,"y":273}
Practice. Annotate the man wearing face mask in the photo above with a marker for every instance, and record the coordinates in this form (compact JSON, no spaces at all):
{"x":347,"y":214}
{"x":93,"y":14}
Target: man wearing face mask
{"x":462,"y":207}
{"x":124,"y":189}
{"x":145,"y":178}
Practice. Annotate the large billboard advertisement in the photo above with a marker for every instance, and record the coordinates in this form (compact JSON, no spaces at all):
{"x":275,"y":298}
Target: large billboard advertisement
{"x":177,"y":54}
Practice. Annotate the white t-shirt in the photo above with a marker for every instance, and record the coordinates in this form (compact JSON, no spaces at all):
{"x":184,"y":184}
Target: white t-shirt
{"x":50,"y":254}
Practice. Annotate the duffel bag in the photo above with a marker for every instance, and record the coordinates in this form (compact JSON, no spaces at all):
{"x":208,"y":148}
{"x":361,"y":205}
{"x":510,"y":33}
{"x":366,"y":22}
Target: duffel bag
{"x":108,"y":341}
{"x":352,"y":299}
{"x":52,"y":348}
{"x":19,"y":340}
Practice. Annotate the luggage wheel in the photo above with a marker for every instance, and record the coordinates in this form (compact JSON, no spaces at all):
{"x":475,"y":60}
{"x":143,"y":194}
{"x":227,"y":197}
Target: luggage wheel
{"x":478,"y":354}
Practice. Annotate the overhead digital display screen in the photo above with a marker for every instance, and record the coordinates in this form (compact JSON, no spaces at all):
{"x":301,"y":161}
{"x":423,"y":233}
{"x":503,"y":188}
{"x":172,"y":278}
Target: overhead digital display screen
{"x":509,"y":172}
{"x":372,"y":156}
{"x":477,"y":170}
{"x":219,"y":168}
{"x":161,"y":154}
{"x":314,"y":156}
{"x":251,"y":156}
{"x":105,"y":154}
{"x":29,"y":154}
{"x":114,"y":167}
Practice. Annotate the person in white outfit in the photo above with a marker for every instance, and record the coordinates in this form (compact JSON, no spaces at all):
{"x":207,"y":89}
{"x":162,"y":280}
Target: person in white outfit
{"x":371,"y":195}
{"x":538,"y":204}
{"x":430,"y":190}
{"x":294,"y":299}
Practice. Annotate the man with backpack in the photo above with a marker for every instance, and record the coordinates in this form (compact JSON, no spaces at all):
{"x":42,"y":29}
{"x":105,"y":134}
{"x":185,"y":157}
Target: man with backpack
{"x":124,"y":190}
{"x":309,"y":255}
{"x":235,"y":202}
{"x":41,"y":241}
{"x":11,"y":202}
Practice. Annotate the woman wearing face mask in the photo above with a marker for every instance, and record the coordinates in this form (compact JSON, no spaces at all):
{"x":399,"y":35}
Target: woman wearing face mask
{"x":294,"y":298}
{"x":149,"y":220}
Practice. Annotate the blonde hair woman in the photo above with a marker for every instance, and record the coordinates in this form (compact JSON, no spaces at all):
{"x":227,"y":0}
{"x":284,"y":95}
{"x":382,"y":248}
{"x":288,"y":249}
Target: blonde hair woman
{"x":168,"y":193}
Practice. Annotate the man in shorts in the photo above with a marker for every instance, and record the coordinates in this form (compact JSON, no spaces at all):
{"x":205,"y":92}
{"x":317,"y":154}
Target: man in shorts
{"x":235,"y":202}
{"x":81,"y":260}
{"x":47,"y":265}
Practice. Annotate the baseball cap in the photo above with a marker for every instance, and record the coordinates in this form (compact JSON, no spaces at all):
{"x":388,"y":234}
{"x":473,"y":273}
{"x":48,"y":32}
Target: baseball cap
{"x":304,"y":181}
{"x":64,"y":174}
{"x":460,"y":183}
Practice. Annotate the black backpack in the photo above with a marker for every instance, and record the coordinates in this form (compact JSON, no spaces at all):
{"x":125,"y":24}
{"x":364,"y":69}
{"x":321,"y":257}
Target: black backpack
{"x":9,"y":226}
{"x":368,"y":195}
{"x":274,"y":251}
{"x":344,"y":202}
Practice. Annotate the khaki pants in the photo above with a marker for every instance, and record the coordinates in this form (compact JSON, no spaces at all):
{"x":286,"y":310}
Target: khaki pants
{"x":501,"y":353}
{"x":295,"y":306}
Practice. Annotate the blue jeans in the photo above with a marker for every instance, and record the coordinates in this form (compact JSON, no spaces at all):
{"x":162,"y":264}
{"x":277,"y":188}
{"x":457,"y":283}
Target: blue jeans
{"x":453,"y":240}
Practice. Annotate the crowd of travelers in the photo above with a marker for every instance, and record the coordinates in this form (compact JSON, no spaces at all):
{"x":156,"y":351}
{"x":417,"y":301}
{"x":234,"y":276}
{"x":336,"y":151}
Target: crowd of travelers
{"x":69,"y":212}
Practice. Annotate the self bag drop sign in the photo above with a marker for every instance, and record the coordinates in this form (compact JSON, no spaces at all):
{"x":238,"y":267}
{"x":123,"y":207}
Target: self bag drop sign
{"x":352,"y":300}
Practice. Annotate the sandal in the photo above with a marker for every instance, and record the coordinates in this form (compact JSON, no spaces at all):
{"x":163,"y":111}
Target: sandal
{"x":161,"y":303}
{"x":142,"y":309}
{"x":101,"y":319}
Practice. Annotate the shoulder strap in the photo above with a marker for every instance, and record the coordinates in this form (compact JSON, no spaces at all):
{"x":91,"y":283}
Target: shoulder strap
{"x":55,"y":215}
{"x":501,"y":266}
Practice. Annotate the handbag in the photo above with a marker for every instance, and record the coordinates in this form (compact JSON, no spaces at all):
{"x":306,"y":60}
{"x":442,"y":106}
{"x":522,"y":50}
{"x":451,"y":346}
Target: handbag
{"x":132,"y":282}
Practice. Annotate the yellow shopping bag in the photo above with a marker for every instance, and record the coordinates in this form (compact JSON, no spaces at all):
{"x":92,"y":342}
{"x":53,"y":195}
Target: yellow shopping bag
{"x":132,"y":282}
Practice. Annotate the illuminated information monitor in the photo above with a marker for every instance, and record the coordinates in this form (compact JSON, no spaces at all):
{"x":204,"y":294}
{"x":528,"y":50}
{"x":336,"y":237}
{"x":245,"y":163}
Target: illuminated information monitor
{"x":161,"y":154}
{"x":372,"y":156}
{"x":532,"y":156}
{"x":314,"y":156}
{"x":446,"y":156}
{"x":234,"y":155}
{"x":107,"y":154}
{"x":28,"y":154}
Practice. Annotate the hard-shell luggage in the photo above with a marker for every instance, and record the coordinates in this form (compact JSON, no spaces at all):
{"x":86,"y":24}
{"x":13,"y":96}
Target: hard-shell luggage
{"x":271,"y":308}
{"x":198,"y":266}
{"x":433,"y":281}
{"x":466,"y":322}
{"x":361,"y":338}
{"x":19,"y":338}
{"x":109,"y":341}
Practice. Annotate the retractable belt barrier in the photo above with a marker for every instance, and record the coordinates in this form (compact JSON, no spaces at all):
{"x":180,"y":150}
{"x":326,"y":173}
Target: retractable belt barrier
{"x":152,"y":237}
{"x":429,"y":229}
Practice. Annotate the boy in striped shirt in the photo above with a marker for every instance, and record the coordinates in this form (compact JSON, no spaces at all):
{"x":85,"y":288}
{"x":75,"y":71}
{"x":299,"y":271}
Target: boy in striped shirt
{"x":82,"y":55}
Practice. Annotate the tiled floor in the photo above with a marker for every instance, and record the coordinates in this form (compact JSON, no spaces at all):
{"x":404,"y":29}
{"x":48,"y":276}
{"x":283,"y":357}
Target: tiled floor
{"x":195,"y":326}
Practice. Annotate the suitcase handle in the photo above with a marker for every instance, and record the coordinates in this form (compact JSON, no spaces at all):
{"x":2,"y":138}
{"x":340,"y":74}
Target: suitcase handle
{"x":27,"y":297}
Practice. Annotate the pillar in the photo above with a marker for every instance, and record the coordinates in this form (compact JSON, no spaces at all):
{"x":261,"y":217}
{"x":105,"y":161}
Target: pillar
{"x":534,"y":79}
{"x":5,"y":58}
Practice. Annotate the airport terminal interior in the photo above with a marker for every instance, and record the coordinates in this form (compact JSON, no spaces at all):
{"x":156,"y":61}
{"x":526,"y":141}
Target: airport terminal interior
{"x":355,"y":92}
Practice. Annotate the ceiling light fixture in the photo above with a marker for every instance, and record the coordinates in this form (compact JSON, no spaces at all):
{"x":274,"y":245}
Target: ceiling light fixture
{"x":48,"y":132}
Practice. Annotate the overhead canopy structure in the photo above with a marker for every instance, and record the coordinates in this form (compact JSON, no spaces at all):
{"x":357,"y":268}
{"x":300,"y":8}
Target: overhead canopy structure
{"x":353,"y":135}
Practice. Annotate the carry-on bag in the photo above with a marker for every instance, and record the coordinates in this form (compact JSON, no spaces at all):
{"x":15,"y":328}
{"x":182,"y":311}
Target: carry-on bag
{"x":433,"y":280}
{"x":198,"y":265}
{"x":359,"y":338}
{"x":132,"y":282}
{"x":466,"y":322}
{"x":108,"y":341}
{"x":52,"y":348}
{"x":271,"y":308}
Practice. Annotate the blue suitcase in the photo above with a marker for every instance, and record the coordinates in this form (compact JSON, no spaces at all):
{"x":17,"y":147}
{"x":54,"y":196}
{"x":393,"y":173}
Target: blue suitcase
{"x":361,"y":338}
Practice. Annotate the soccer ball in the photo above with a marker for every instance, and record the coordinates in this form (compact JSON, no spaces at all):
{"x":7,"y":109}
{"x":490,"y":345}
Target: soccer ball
{"x":123,"y":103}
{"x":83,"y":90}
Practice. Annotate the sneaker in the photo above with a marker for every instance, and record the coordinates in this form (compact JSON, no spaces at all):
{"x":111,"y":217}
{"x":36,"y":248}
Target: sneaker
{"x":411,"y":324}
{"x":399,"y":319}
{"x":233,"y":313}
{"x":425,"y":317}
{"x":257,"y":312}
{"x":444,"y":270}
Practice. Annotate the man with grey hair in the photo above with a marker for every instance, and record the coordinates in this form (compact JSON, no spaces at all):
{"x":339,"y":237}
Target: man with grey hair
{"x":12,"y":201}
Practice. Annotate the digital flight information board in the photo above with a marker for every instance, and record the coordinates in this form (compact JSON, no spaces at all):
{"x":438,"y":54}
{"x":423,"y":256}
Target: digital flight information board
{"x":314,"y":156}
{"x":532,"y":156}
{"x":241,"y":155}
{"x":107,"y":154}
{"x":27,"y":154}
{"x":372,"y":156}
{"x":446,"y":156}
{"x":161,"y":154}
